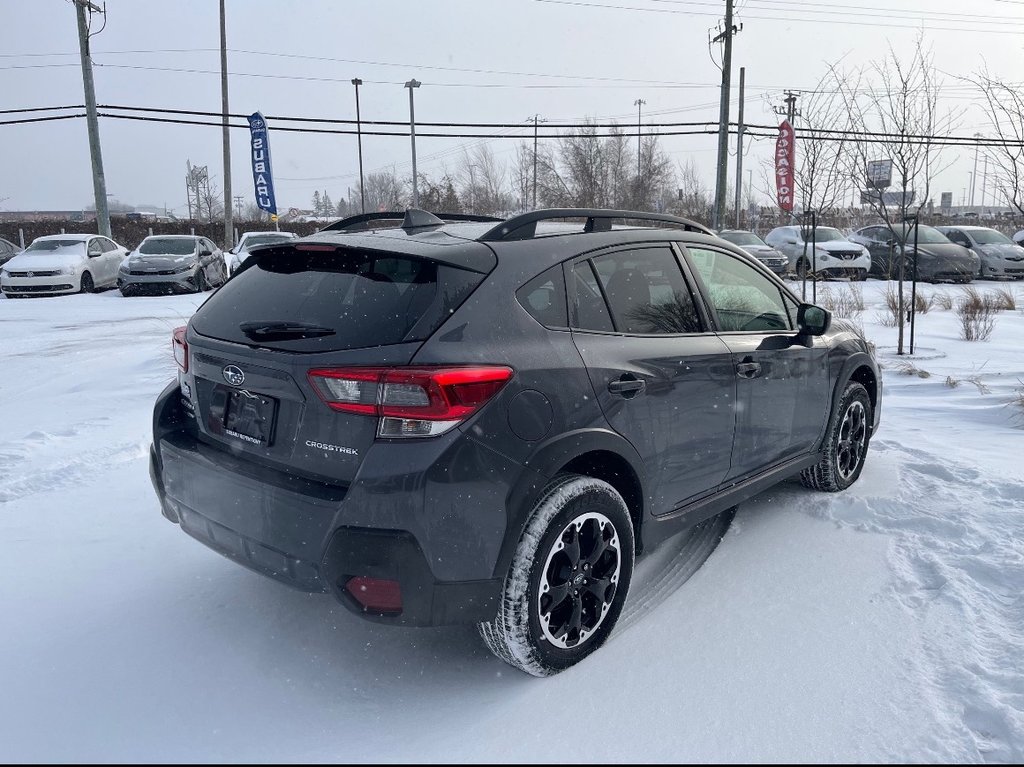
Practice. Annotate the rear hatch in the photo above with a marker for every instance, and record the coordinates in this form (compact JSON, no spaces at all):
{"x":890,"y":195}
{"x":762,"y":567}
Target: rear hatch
{"x":263,"y":349}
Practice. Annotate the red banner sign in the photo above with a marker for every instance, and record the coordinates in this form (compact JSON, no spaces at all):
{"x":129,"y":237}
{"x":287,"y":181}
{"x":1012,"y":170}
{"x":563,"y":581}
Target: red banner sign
{"x":785,"y":160}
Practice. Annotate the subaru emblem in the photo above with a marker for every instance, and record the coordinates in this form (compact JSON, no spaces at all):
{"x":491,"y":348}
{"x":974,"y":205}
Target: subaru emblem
{"x":234,"y":375}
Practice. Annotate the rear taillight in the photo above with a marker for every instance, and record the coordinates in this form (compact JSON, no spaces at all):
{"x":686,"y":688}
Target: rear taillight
{"x":180,"y":346}
{"x":410,"y":402}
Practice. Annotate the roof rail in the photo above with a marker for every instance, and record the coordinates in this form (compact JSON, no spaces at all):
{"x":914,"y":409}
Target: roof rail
{"x":349,"y":222}
{"x":524,"y":226}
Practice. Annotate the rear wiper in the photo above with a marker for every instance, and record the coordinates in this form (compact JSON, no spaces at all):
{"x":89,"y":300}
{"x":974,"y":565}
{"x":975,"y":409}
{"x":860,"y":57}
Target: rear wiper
{"x":282,"y":331}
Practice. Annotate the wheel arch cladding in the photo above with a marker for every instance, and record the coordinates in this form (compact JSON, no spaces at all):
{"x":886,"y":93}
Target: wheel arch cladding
{"x":617,"y":472}
{"x":866,"y":378}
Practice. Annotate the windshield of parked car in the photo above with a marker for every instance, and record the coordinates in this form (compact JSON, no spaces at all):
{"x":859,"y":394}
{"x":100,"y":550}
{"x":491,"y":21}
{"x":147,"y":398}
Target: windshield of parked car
{"x":925,"y":235}
{"x":262,"y":239}
{"x":167,"y":246}
{"x":742,"y":238}
{"x":49,"y":246}
{"x":823,"y":234}
{"x":990,"y":237}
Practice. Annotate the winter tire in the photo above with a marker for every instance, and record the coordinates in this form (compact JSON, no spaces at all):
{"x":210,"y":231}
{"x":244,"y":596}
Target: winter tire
{"x":846,"y":444}
{"x":201,"y":286}
{"x":568,"y":579}
{"x":86,"y":285}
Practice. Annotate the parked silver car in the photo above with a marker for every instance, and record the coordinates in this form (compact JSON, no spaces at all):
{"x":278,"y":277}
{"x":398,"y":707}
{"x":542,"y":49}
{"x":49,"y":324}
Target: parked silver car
{"x":1000,"y":256}
{"x":169,"y":263}
{"x":62,"y":263}
{"x":758,"y":248}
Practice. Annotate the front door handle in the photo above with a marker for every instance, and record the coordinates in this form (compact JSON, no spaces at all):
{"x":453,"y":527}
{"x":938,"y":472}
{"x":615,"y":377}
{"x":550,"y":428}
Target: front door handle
{"x":628,"y":386}
{"x":748,"y":369}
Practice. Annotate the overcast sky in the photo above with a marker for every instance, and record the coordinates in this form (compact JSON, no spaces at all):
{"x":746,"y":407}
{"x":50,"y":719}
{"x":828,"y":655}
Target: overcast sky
{"x":563,"y":60}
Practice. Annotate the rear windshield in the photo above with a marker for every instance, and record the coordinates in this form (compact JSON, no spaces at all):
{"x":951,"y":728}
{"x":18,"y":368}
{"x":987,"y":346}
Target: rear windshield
{"x":314,"y":302}
{"x":48,"y":246}
{"x":263,"y":239}
{"x":167,"y":246}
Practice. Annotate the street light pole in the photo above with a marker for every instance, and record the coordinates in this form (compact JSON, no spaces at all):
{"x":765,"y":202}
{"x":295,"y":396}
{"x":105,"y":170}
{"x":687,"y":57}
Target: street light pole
{"x":99,"y":181}
{"x":359,"y":134}
{"x":412,"y":134}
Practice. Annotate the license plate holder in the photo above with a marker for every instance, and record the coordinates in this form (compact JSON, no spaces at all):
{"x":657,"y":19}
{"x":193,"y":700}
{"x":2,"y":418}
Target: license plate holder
{"x":250,"y":417}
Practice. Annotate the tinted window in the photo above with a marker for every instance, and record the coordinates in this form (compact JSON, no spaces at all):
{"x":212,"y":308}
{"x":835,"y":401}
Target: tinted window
{"x":743,"y":298}
{"x":590,"y":312}
{"x":334,"y":301}
{"x":167,"y":246}
{"x":741,"y":238}
{"x":544,"y":298}
{"x":646,"y":292}
{"x":990,"y":237}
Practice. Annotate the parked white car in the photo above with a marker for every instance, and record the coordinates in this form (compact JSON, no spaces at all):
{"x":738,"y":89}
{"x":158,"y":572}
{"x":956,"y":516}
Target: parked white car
{"x":63,"y":263}
{"x":248,"y":240}
{"x":832,"y":254}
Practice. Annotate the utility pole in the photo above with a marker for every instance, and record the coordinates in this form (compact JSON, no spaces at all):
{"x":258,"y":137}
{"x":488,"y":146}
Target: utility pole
{"x":238,"y":206}
{"x":984,"y":184}
{"x":229,"y":227}
{"x":725,"y":36}
{"x":536,"y":119}
{"x":359,"y":135}
{"x":99,"y":181}
{"x":412,"y":84}
{"x":739,"y":149}
{"x":639,"y":103}
{"x":974,"y":173}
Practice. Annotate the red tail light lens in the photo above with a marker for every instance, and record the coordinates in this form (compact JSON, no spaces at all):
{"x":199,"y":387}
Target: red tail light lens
{"x":376,"y":595}
{"x":180,"y":346}
{"x":412,"y":402}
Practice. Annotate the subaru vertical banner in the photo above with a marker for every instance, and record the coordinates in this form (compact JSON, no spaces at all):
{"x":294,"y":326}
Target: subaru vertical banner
{"x":261,"y":175}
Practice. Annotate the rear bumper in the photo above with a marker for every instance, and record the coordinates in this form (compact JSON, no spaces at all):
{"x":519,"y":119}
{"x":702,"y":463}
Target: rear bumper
{"x":293,"y":530}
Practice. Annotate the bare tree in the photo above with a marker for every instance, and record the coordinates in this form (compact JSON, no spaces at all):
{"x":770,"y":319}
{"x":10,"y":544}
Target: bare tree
{"x":439,"y":195}
{"x":211,"y":202}
{"x":821,"y":176}
{"x":897,"y":99}
{"x":384,"y":191}
{"x":693,"y":198}
{"x":482,"y":179}
{"x":1004,"y":108}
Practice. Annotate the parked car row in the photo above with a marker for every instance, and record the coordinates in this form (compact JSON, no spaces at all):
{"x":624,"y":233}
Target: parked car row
{"x":80,"y":263}
{"x":938,"y":254}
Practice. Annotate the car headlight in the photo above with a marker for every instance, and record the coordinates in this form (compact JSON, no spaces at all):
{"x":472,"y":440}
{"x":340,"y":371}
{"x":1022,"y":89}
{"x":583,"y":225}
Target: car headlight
{"x":822,"y":252}
{"x":67,"y":270}
{"x":186,"y":267}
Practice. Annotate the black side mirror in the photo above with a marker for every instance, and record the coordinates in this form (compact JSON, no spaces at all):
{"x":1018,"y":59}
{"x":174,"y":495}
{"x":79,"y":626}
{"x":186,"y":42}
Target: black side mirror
{"x":812,"y":320}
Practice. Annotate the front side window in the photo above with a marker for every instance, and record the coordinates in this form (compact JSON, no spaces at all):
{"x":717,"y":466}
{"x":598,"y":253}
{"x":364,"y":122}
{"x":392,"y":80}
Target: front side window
{"x":742,"y":297}
{"x":647,"y":293}
{"x":95,"y":248}
{"x":589,"y":311}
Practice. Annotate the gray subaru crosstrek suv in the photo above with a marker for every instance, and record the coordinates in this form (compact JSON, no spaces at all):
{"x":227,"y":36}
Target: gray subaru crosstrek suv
{"x":487,"y":421}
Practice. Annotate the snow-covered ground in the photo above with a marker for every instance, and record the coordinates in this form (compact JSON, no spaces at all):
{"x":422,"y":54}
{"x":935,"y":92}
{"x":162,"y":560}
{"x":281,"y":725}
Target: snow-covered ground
{"x":885,"y":623}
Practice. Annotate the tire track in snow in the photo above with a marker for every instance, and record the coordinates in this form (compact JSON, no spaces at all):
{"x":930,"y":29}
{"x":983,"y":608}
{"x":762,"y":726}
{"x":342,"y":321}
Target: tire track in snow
{"x":956,"y":546}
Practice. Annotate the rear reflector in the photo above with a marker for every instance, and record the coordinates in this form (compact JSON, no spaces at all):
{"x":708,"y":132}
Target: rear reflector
{"x":180,"y":346}
{"x":375,"y":595}
{"x":411,"y":402}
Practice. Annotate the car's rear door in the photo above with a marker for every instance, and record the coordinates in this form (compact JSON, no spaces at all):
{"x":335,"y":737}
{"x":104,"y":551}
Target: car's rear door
{"x":662,"y":380}
{"x":782,"y":380}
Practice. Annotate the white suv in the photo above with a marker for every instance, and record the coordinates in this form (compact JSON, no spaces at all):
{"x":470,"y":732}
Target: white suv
{"x":831,"y":254}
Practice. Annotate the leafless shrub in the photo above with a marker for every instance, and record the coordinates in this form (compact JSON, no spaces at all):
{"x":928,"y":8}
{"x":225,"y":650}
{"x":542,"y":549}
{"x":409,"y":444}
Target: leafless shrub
{"x":910,"y":369}
{"x":1003,"y":299}
{"x":922,"y":303}
{"x":846,"y":301}
{"x":977,"y":316}
{"x":951,"y":382}
{"x":982,"y":387}
{"x":943,"y":300}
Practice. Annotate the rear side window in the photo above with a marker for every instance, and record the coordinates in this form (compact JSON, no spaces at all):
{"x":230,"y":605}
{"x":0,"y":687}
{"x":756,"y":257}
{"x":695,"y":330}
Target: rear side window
{"x":647,"y":293}
{"x":544,"y":298}
{"x":312,"y":302}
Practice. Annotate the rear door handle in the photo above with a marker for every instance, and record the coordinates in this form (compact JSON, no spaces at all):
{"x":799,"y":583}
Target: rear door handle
{"x":748,"y":369}
{"x":627,"y":386}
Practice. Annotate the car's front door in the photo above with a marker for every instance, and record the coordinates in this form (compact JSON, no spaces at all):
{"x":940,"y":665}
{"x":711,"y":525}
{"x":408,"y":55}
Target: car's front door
{"x":662,"y":380}
{"x":782,"y":397}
